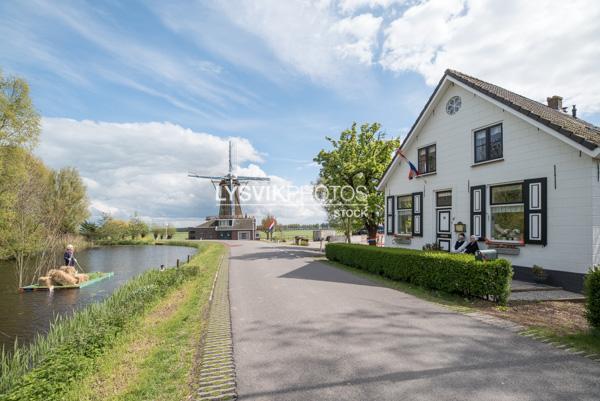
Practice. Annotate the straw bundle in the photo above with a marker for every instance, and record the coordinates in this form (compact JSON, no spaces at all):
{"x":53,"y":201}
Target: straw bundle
{"x":44,"y":281}
{"x":69,"y":270}
{"x":59,"y":277}
{"x":81,"y":277}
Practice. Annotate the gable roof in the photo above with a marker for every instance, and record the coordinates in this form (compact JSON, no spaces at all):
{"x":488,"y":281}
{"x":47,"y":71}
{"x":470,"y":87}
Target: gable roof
{"x":577,"y":131}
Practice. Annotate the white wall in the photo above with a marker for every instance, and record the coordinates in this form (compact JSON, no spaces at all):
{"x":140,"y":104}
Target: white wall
{"x":528,"y":153}
{"x":596,"y":213}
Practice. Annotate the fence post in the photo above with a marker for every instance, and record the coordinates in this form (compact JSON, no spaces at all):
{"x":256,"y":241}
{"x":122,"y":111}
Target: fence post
{"x":188,"y":259}
{"x":177,"y":262}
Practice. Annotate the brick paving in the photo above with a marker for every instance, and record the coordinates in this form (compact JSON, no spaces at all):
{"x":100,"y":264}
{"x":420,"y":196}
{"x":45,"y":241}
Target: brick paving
{"x":216,"y":381}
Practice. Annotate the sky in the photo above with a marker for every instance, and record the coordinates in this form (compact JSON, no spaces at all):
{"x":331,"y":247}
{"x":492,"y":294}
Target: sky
{"x":135,"y":94}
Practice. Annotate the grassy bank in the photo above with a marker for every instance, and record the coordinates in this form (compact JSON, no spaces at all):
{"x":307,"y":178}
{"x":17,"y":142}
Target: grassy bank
{"x":139,"y":341}
{"x":561,"y":322}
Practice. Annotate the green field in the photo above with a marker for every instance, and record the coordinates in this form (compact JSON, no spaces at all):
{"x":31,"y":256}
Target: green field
{"x":288,"y":235}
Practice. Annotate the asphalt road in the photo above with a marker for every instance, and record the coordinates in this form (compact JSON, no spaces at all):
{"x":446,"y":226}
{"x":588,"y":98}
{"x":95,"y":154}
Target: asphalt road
{"x":304,"y":330}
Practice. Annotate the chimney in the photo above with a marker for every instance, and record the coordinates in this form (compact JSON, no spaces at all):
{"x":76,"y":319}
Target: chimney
{"x":555,"y":102}
{"x":574,"y":111}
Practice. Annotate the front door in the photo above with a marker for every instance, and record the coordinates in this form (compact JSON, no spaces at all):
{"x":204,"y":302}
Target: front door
{"x":443,"y":210}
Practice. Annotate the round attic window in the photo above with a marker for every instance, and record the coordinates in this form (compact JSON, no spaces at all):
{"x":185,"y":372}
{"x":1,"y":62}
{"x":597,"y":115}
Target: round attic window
{"x":453,"y":105}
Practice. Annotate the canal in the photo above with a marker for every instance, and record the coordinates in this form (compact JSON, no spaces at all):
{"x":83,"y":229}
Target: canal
{"x":23,"y":315}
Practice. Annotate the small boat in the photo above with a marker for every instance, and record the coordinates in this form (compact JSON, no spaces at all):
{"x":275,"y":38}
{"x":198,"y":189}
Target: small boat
{"x":94,"y":278}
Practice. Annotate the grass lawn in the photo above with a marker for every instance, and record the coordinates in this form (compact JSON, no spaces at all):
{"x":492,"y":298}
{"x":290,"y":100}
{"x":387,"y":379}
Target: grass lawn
{"x":155,"y":360}
{"x":561,"y":322}
{"x":288,"y":235}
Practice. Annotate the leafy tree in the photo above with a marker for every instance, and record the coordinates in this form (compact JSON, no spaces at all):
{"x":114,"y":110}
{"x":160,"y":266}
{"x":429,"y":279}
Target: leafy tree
{"x":137,"y":228}
{"x":29,"y":226}
{"x":266,"y":223}
{"x":355,"y":166}
{"x":157,"y":231}
{"x":19,"y":121}
{"x":111,"y":228}
{"x":69,"y":199}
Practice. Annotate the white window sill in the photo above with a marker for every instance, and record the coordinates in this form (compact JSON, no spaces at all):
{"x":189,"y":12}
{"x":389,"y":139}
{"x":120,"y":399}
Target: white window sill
{"x":504,"y":243}
{"x":426,"y":174}
{"x":487,"y":162}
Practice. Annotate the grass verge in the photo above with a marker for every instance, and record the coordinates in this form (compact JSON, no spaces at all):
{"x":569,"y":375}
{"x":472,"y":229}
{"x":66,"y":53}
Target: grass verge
{"x":54,"y":365}
{"x":154,"y":361}
{"x":561,"y":322}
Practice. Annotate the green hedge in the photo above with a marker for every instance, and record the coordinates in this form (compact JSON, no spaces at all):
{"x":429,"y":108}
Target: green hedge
{"x":592,"y":291}
{"x":454,"y":273}
{"x":55,"y":362}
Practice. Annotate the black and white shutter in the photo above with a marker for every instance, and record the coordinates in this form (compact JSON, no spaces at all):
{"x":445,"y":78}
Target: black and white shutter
{"x":535,"y":199}
{"x":389,"y":217}
{"x":417,"y":214}
{"x":478,"y":211}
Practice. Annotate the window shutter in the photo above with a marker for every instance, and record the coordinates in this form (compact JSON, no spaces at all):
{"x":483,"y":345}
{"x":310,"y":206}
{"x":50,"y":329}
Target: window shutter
{"x":417,"y":214}
{"x":389,"y":221}
{"x":535,"y":199}
{"x":478,"y":211}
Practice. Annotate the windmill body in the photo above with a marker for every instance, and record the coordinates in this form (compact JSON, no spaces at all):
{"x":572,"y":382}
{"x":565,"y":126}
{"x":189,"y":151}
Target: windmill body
{"x":230,"y":223}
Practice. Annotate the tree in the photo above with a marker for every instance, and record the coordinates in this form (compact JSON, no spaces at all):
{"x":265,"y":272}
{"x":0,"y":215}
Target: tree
{"x":89,"y":230}
{"x":69,"y":199}
{"x":111,"y":228}
{"x":266,"y":223}
{"x":137,"y":228}
{"x":19,"y":121}
{"x":350,"y":173}
{"x":29,"y":225}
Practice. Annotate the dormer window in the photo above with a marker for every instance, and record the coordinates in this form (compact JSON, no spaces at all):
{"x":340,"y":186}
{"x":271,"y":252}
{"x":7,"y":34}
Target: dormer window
{"x":427,"y":162}
{"x":488,"y":143}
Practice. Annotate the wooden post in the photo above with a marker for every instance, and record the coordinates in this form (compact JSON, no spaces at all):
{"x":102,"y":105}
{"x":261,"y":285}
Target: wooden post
{"x":177,"y":262}
{"x":188,"y":259}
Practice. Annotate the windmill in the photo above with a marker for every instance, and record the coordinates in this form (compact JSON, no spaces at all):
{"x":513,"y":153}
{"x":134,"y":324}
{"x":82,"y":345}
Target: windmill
{"x":229,"y":186}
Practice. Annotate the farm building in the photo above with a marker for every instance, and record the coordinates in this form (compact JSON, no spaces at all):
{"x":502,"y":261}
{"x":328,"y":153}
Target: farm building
{"x":522,"y":176}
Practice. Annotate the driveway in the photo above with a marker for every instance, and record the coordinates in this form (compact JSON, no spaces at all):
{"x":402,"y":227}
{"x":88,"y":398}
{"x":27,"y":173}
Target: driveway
{"x":303,"y":330}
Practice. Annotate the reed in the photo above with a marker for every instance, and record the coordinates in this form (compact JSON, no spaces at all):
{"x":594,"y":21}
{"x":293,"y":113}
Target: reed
{"x":46,"y":367}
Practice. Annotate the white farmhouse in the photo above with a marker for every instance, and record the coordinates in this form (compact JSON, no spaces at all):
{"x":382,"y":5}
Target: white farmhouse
{"x":522,"y":176}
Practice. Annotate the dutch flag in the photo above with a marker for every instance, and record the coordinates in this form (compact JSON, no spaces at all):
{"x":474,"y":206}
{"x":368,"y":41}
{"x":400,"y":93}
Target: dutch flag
{"x":271,"y":226}
{"x":413,"y":172}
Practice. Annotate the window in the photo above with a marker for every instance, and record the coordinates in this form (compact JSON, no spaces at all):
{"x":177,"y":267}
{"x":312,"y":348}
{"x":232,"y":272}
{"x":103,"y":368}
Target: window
{"x":508,"y":212}
{"x":427,"y":160}
{"x":488,"y":143}
{"x":443,"y":199}
{"x":404,"y":214}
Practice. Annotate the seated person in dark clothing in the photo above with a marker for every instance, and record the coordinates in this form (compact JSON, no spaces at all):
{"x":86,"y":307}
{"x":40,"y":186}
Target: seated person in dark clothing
{"x":472,"y":246}
{"x":460,"y":244}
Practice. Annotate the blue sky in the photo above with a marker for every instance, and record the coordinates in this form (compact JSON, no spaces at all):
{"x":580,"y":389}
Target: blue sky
{"x":278,"y":75}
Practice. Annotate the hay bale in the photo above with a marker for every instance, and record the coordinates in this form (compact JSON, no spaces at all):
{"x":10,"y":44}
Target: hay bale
{"x":44,"y":281}
{"x":60,"y":277}
{"x":69,"y":270}
{"x":81,"y":277}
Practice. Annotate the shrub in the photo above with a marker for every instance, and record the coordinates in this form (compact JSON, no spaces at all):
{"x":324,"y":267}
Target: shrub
{"x":592,"y":291}
{"x":454,"y":273}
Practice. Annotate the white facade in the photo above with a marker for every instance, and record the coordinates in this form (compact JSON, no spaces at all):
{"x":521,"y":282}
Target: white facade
{"x":529,"y":152}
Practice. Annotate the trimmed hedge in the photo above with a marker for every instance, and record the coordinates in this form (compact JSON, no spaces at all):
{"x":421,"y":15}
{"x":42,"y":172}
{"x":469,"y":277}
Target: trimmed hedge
{"x":592,"y":292}
{"x":454,"y":273}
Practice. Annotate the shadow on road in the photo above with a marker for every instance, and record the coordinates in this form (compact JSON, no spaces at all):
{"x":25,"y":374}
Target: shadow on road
{"x":321,"y":272}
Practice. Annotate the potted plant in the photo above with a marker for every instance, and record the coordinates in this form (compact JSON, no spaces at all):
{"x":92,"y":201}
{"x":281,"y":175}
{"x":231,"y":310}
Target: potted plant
{"x":539,"y":274}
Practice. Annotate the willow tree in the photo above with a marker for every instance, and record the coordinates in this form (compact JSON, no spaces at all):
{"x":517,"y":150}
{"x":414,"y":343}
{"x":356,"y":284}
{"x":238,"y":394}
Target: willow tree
{"x":351,"y":171}
{"x":19,"y":121}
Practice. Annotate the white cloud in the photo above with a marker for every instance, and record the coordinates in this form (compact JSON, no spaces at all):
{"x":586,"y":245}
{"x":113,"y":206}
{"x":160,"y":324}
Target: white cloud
{"x":351,"y":6}
{"x":142,"y":167}
{"x":534,"y":48}
{"x":360,"y":33}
